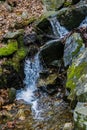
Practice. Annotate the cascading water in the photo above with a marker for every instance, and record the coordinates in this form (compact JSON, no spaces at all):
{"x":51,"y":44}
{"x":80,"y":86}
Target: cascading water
{"x":84,"y":22}
{"x":58,"y":30}
{"x":31,"y":69}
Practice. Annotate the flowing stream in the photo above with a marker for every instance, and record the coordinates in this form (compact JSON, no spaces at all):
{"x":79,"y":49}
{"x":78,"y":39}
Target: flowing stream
{"x":48,"y":109}
{"x":32,"y":68}
{"x":58,"y":30}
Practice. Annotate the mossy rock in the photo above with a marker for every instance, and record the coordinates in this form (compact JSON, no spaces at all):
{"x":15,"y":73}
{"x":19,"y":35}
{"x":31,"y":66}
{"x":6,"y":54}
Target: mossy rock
{"x":18,"y":56}
{"x":76,"y":78}
{"x":9,"y":49}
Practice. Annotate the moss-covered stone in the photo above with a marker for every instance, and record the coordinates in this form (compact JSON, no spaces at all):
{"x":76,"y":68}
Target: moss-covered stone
{"x":18,"y":56}
{"x":9,"y":48}
{"x":76,"y":78}
{"x":11,"y":71}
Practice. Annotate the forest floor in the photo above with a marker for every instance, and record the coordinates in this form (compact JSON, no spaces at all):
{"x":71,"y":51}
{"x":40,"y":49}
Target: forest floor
{"x":12,"y":11}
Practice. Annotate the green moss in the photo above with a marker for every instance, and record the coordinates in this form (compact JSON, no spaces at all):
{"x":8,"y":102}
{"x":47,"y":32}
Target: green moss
{"x":74,"y":73}
{"x":18,"y":56}
{"x":77,"y":71}
{"x":80,"y":43}
{"x":9,"y":49}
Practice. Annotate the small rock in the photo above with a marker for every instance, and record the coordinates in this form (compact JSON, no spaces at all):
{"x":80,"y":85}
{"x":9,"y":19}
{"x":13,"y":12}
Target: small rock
{"x":68,"y":126}
{"x":11,"y":35}
{"x":24,"y":15}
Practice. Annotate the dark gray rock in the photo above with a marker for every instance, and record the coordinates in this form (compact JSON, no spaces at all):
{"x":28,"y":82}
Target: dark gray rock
{"x":73,"y":16}
{"x":52,"y":51}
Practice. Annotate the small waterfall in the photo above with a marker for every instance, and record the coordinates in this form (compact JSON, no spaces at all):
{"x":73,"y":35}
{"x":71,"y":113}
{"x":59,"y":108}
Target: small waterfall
{"x":31,"y":70}
{"x":84,"y":22}
{"x":58,"y":30}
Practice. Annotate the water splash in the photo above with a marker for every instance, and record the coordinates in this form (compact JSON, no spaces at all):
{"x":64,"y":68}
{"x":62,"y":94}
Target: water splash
{"x":84,"y":22}
{"x":58,"y":30}
{"x":31,"y":70}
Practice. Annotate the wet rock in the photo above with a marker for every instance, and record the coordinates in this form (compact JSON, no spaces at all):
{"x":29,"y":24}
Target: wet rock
{"x":71,"y":15}
{"x":50,"y":80}
{"x":43,"y":26}
{"x":73,"y":46}
{"x":51,"y":51}
{"x":80,"y":116}
{"x":68,"y":126}
{"x":44,"y":73}
{"x":48,"y":84}
{"x":12,"y":35}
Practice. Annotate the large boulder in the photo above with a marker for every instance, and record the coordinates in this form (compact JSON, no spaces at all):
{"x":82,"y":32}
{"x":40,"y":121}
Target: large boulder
{"x":76,"y":78}
{"x":51,"y":51}
{"x":73,"y":16}
{"x":73,"y":46}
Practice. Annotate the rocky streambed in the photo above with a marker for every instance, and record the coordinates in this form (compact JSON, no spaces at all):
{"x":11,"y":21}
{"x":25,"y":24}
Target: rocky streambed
{"x":43,"y":73}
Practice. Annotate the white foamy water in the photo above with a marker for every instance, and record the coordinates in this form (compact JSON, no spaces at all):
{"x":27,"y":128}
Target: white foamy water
{"x":84,"y":22}
{"x":58,"y":30}
{"x":31,"y":70}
